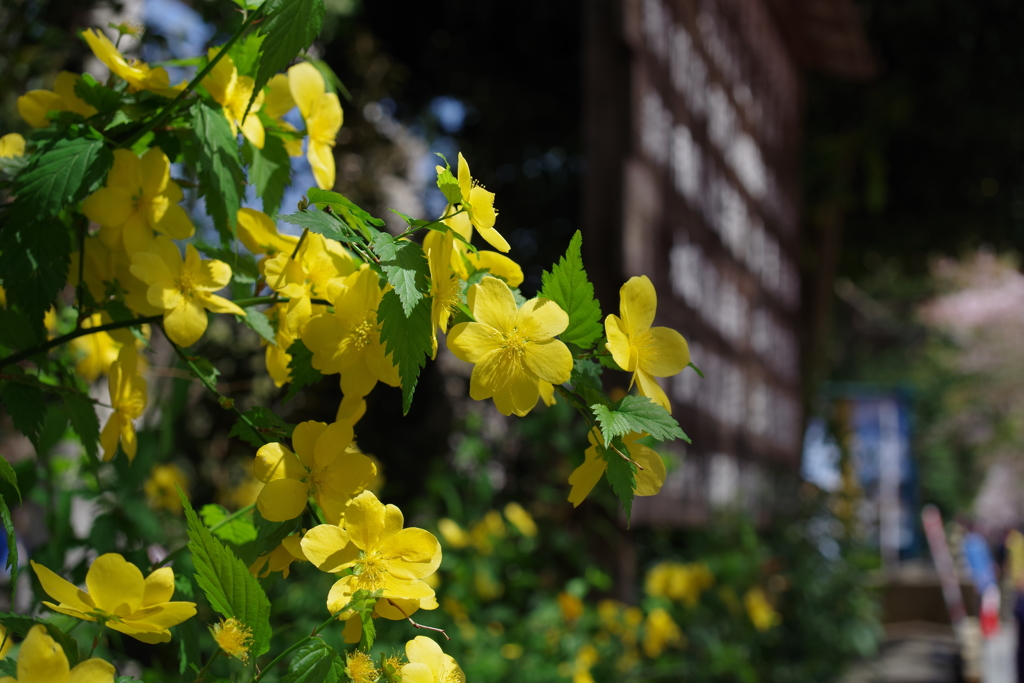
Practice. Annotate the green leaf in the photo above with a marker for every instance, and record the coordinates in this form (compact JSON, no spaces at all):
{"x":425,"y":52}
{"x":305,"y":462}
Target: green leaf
{"x":15,"y":331}
{"x":12,"y":543}
{"x":8,"y":474}
{"x":27,"y":408}
{"x":449,"y":185}
{"x":34,"y":261}
{"x":363,"y":603}
{"x":303,"y":374}
{"x":405,"y":266}
{"x":270,"y":534}
{"x":408,"y":340}
{"x":204,"y":369}
{"x":20,"y":625}
{"x":94,"y":93}
{"x":83,"y":419}
{"x":621,"y":475}
{"x":357,"y":218}
{"x":226,"y":581}
{"x":270,"y":171}
{"x":257,"y":321}
{"x":322,"y":223}
{"x":315,"y":662}
{"x":246,"y":53}
{"x":567,"y":285}
{"x":636,"y":414}
{"x":239,"y":530}
{"x":290,"y":26}
{"x":63,"y":173}
{"x":213,"y":151}
{"x":270,"y":427}
{"x":9,"y":667}
{"x":586,"y":382}
{"x":243,"y":265}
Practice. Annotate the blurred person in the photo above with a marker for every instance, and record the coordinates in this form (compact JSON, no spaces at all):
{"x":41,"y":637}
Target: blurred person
{"x":1015,"y":570}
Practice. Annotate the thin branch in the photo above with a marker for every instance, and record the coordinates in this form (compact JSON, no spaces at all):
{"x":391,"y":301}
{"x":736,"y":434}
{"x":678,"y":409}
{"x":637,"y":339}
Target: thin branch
{"x":169,"y":111}
{"x":423,"y":626}
{"x":81,"y":332}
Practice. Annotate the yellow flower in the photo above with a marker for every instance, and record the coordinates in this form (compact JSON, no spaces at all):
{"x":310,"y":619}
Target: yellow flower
{"x":677,"y":581}
{"x":514,"y":349}
{"x":162,"y":488}
{"x":12,"y":145}
{"x":322,"y":466}
{"x":183,"y":289}
{"x":646,"y":351}
{"x":34,"y":105}
{"x":279,"y":102}
{"x":497,"y":265}
{"x":233,"y":637}
{"x":139,"y":197}
{"x":323,"y":116}
{"x":585,"y":477}
{"x":257,"y":231}
{"x":138,"y":75}
{"x":488,"y":529}
{"x":96,"y":352}
{"x":586,"y":658}
{"x":521,"y":519}
{"x":233,"y":91}
{"x":453,"y":534}
{"x":348,"y":341}
{"x":41,"y":660}
{"x":119,"y":597}
{"x":428,"y":664}
{"x":360,"y":667}
{"x":319,"y":268}
{"x":382,"y":554}
{"x":660,"y":631}
{"x":570,"y":606}
{"x":280,"y":558}
{"x":762,"y":615}
{"x":277,"y":356}
{"x":445,"y":286}
{"x":128,"y":398}
{"x":478,"y":204}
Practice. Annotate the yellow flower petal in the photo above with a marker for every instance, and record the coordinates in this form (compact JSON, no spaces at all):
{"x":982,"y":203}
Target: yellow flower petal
{"x":108,"y":206}
{"x":498,"y":265}
{"x":332,"y":443}
{"x":165,"y":615}
{"x":34,"y":105}
{"x":618,"y":343}
{"x":670,"y":353}
{"x":321,"y":160}
{"x":471,"y":342}
{"x":282,"y":499}
{"x":327,"y":547}
{"x":369,"y":522}
{"x":159,"y":587}
{"x":550,"y":360}
{"x":92,"y":671}
{"x":417,"y":673}
{"x":492,"y":303}
{"x":41,"y":658}
{"x":541,"y":319}
{"x":304,"y":439}
{"x":259,"y":234}
{"x":650,"y":388}
{"x":156,"y":171}
{"x":186,"y":323}
{"x":274,"y":461}
{"x":175,"y":223}
{"x":62,"y":590}
{"x":306,"y":85}
{"x":252,"y":129}
{"x":12,"y":145}
{"x":650,"y":479}
{"x":126,"y":173}
{"x":417,"y":550}
{"x":279,"y":100}
{"x":64,"y":85}
{"x":638,"y":303}
{"x":116,"y":585}
{"x":423,"y":650}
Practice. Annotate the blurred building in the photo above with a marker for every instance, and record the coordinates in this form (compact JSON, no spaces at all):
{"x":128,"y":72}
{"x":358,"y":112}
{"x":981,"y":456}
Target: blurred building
{"x":692,"y":140}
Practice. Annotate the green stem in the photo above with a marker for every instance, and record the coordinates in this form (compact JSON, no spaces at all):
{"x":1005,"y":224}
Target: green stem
{"x":81,"y":332}
{"x":222,"y":400}
{"x":414,"y":230}
{"x":206,"y":667}
{"x":173,"y":106}
{"x":293,"y":648}
{"x":271,"y":299}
